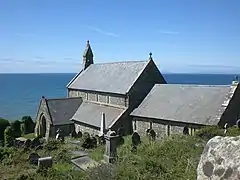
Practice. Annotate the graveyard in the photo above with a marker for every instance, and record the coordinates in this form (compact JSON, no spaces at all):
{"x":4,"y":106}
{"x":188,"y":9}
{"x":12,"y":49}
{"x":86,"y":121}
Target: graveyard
{"x":82,"y":156}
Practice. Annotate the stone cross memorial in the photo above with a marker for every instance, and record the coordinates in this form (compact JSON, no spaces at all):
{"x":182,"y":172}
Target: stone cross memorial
{"x":103,"y":125}
{"x":110,"y":155}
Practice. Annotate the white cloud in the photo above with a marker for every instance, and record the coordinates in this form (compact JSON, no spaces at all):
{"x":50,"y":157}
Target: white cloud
{"x":101,"y":31}
{"x":169,"y":32}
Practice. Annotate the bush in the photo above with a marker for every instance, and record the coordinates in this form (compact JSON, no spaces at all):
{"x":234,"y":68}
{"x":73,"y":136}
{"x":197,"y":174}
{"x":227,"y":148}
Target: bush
{"x":16,"y":128}
{"x":233,"y":131}
{"x":209,"y":132}
{"x":8,"y":137}
{"x":89,"y":142}
{"x":52,"y":145}
{"x":3,"y":125}
{"x":27,"y":125}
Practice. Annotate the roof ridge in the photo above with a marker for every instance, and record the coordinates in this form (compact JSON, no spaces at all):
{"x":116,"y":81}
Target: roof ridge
{"x":203,"y":85}
{"x":118,"y":62}
{"x":50,"y":99}
{"x":105,"y":104}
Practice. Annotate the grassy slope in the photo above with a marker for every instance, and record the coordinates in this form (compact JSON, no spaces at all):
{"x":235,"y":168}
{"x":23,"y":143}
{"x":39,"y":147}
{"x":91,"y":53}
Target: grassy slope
{"x":172,"y":158}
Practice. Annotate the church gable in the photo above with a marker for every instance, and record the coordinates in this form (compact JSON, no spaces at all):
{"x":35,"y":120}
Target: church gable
{"x":115,"y":77}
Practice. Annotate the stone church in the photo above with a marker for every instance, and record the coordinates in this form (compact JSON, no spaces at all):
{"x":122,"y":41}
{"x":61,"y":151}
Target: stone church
{"x":134,"y":95}
{"x":115,"y":89}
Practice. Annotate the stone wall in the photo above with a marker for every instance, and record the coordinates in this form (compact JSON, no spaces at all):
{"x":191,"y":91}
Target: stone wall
{"x":232,"y":111}
{"x":114,"y":99}
{"x":67,"y":129}
{"x":83,"y":129}
{"x":43,"y":111}
{"x":162,"y":130}
{"x":149,"y":77}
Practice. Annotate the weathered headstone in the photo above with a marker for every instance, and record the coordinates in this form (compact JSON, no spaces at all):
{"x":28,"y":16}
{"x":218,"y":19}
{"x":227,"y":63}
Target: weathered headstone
{"x":73,"y":134}
{"x":152,"y":135}
{"x":185,"y":131}
{"x":45,"y":162}
{"x":110,"y":155}
{"x":136,"y":139}
{"x":33,"y":158}
{"x":79,"y":134}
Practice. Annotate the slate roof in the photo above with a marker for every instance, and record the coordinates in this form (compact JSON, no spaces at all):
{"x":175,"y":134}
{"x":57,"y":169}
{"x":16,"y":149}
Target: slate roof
{"x":61,"y":110}
{"x":91,"y":113}
{"x":117,"y":77}
{"x":186,"y":103}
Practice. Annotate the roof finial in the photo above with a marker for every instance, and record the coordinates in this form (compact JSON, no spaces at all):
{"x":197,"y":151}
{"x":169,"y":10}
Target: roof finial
{"x":87,"y":42}
{"x":150,"y":55}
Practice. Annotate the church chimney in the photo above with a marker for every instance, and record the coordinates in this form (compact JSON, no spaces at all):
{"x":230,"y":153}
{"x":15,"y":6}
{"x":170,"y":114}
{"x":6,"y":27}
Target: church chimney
{"x":87,"y":56}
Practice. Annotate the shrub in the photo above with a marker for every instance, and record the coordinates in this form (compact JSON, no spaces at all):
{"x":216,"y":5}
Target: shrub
{"x":16,"y":128}
{"x":8,"y":137}
{"x":209,"y":132}
{"x":27,"y":125}
{"x":3,"y":125}
{"x":86,"y":135}
{"x":89,"y":142}
{"x":52,"y":145}
{"x":233,"y":131}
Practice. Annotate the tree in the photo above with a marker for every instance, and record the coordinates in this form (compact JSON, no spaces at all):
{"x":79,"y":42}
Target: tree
{"x":3,"y":125}
{"x":16,"y":128}
{"x":8,"y":137}
{"x":27,"y":125}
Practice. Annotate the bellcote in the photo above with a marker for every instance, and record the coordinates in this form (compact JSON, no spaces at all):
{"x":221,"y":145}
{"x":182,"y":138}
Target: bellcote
{"x":87,"y":56}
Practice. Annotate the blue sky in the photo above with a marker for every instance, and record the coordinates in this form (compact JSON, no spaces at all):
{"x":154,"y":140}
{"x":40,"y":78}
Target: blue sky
{"x":183,"y":35}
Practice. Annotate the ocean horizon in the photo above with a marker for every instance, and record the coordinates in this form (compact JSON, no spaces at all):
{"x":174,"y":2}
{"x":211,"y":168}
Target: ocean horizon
{"x":20,"y":93}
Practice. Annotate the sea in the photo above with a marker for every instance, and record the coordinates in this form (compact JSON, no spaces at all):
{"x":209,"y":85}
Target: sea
{"x":20,"y":94}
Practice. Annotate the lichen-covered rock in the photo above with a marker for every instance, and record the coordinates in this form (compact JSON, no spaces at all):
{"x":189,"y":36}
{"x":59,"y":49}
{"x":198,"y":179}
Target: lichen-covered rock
{"x":220,"y":159}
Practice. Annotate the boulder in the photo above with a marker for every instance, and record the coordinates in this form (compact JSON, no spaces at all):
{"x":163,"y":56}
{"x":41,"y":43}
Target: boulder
{"x":220,"y":159}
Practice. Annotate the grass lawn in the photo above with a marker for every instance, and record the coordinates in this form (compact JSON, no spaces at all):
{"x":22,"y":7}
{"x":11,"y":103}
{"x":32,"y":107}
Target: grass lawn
{"x":29,"y":136}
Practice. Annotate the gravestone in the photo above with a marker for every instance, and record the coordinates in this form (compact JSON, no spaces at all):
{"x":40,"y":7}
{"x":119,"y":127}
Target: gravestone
{"x":45,"y":162}
{"x":79,"y":134}
{"x":152,"y":135}
{"x":110,"y":155}
{"x":185,"y":131}
{"x":33,"y":158}
{"x":73,"y":134}
{"x":136,"y":139}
